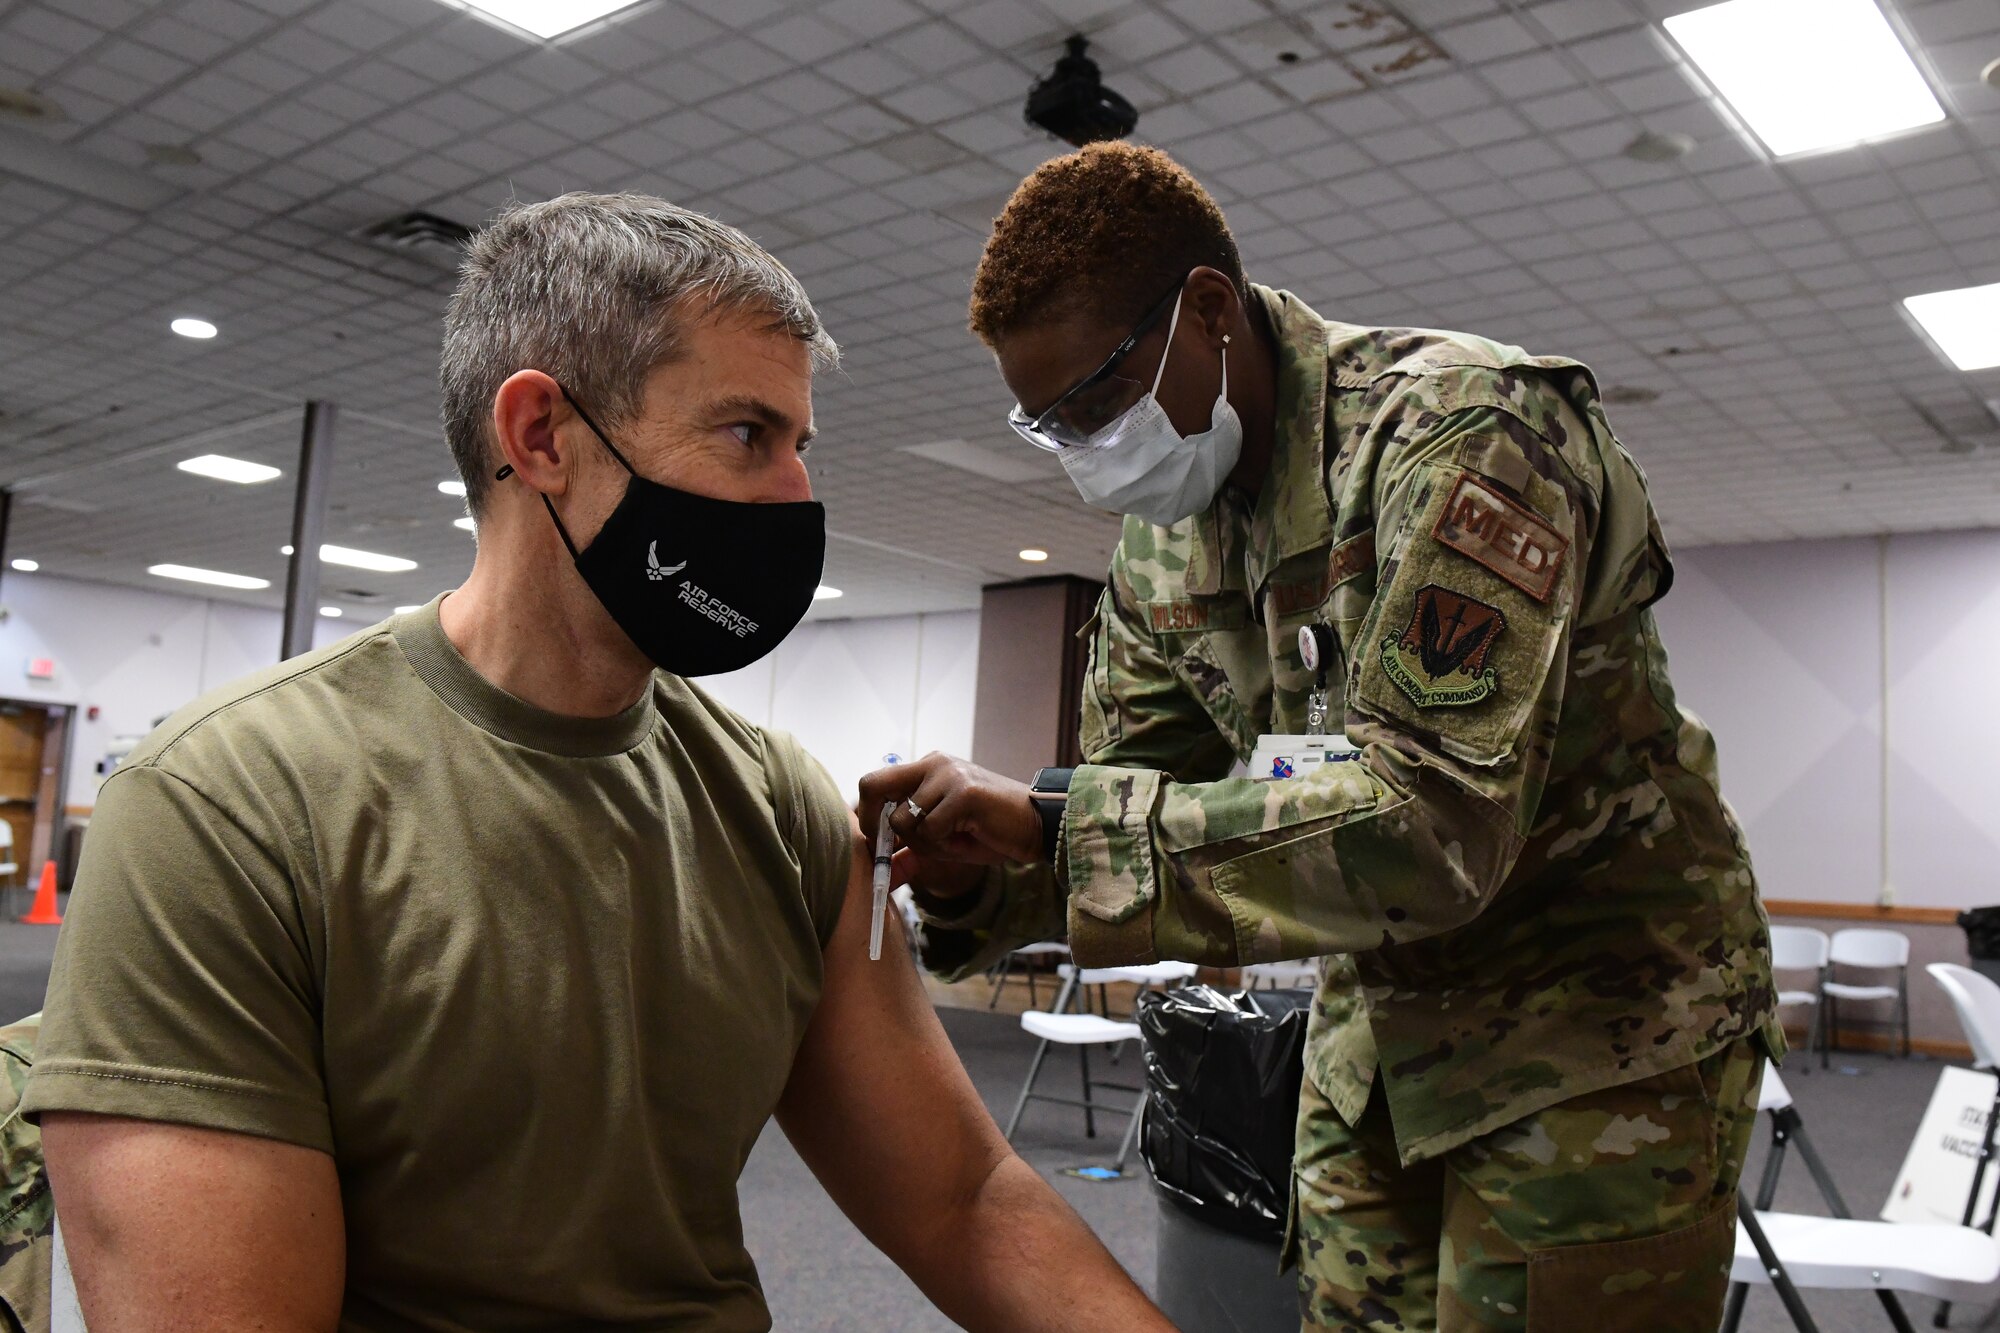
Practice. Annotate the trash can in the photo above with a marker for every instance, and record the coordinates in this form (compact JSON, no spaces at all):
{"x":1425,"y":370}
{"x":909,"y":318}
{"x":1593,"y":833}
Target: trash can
{"x":1982,"y":939}
{"x":1222,"y":1099}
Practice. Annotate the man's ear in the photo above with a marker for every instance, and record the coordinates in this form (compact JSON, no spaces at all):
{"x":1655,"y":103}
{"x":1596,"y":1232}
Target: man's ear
{"x":528,"y":409}
{"x":1211,"y":298}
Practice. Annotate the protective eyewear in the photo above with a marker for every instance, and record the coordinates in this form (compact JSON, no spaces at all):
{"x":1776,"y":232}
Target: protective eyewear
{"x":1095,"y":401}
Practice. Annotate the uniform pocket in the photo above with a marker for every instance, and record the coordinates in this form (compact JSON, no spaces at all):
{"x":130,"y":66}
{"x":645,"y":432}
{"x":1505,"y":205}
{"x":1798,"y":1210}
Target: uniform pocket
{"x":1674,"y":1282}
{"x":1202,"y":672}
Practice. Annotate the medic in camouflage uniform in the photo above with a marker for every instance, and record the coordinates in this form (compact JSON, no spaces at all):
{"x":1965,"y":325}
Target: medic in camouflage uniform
{"x":1546,"y":996}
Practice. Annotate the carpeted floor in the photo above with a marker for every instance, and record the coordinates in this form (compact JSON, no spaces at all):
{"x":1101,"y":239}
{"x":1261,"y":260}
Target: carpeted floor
{"x":821,"y":1275}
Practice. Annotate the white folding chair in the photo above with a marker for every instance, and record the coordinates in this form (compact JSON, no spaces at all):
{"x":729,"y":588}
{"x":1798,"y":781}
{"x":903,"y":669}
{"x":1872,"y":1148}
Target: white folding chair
{"x":1281,"y":976}
{"x":1790,"y":1250}
{"x":1976,"y":1000}
{"x":1027,"y":958}
{"x":1084,"y":1031}
{"x":1875,"y":950}
{"x":1802,"y":949}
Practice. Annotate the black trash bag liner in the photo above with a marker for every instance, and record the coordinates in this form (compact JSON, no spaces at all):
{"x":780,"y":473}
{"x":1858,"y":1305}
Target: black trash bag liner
{"x":1222,"y":1097}
{"x":1982,"y":932}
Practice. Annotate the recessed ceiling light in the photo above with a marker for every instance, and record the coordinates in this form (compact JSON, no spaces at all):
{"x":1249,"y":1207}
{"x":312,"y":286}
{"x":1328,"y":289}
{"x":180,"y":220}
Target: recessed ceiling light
{"x":825,"y":594}
{"x":548,"y":18}
{"x":228,"y":469}
{"x":1808,"y":74}
{"x":465,"y":523}
{"x":330,"y":612}
{"x":405,"y":610}
{"x":193,"y":328}
{"x":1034,"y":555}
{"x":353,"y":559}
{"x":27,"y":566}
{"x":1964,"y":323}
{"x":453,"y":487}
{"x":189,"y":574}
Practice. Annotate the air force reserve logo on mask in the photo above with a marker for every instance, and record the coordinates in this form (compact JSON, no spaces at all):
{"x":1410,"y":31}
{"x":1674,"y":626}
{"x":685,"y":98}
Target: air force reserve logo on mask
{"x":657,"y":571}
{"x":1439,"y":659}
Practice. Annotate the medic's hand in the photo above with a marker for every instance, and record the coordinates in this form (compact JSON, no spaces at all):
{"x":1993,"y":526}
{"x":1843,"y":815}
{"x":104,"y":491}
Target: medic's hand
{"x":951,"y":816}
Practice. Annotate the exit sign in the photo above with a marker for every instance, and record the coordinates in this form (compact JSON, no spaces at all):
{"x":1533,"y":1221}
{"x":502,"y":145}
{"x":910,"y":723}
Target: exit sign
{"x":41,"y":668}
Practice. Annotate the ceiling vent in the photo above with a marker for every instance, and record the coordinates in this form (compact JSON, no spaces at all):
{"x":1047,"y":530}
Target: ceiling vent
{"x":419,"y":233}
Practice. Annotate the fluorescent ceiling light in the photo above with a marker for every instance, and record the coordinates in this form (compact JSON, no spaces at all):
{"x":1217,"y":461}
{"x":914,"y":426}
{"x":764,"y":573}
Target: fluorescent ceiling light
{"x":353,"y":559}
{"x":1808,"y":74}
{"x":237,"y":470}
{"x":548,"y":18}
{"x":825,"y":594}
{"x":27,"y":566}
{"x":193,"y":328}
{"x":1965,"y":324}
{"x":330,"y":612}
{"x":189,"y":574}
{"x":456,"y":488}
{"x":465,"y":523}
{"x":1034,"y":555}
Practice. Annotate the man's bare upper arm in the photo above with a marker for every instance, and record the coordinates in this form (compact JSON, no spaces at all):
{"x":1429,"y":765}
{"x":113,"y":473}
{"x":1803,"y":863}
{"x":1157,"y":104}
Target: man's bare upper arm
{"x":878,"y":1104}
{"x":173,"y":1228}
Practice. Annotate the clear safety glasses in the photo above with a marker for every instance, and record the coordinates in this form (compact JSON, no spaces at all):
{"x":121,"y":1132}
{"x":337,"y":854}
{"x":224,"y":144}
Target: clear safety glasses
{"x":1095,"y":401}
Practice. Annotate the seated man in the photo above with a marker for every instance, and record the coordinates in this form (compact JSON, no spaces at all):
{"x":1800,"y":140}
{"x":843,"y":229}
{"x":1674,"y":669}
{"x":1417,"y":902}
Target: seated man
{"x":445,"y":978}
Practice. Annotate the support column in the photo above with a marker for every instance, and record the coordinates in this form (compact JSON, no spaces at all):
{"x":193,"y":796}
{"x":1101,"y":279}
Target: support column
{"x":308,"y":526}
{"x":6,"y":517}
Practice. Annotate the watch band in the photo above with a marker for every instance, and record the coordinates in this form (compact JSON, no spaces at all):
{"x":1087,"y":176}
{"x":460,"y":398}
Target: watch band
{"x":1050,"y":793}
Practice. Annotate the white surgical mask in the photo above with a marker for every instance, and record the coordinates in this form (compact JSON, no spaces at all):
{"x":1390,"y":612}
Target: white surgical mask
{"x":1141,"y":465}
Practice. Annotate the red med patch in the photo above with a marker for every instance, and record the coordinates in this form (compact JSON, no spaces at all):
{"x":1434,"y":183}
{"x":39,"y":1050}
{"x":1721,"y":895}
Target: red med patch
{"x":1504,"y":535}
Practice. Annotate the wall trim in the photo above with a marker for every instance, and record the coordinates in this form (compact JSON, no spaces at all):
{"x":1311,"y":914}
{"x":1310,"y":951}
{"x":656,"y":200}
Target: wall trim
{"x":1908,"y":916}
{"x":1853,"y":1041}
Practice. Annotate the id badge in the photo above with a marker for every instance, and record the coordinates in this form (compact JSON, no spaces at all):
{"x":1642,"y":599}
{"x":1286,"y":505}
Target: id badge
{"x":1296,"y":756}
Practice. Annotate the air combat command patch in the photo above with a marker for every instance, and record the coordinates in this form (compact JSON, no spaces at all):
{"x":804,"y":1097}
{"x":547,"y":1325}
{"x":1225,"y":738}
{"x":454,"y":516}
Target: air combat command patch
{"x":1439,"y":659}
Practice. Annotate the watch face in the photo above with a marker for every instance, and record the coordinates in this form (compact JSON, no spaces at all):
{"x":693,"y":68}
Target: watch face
{"x":1309,"y":647}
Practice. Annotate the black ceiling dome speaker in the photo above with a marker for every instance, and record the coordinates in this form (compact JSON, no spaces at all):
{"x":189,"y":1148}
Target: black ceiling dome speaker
{"x":1072,"y":103}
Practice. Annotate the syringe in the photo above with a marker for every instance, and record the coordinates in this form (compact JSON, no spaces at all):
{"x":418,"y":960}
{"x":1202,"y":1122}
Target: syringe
{"x":885,"y":845}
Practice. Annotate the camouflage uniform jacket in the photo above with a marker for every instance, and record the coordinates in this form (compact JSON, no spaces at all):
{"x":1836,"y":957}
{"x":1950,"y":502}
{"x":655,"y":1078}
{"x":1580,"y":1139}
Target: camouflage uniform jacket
{"x":1527,"y":878}
{"x":27,"y":1209}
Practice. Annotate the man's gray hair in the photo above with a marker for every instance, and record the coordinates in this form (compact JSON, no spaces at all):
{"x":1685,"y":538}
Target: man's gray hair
{"x":596,"y":290}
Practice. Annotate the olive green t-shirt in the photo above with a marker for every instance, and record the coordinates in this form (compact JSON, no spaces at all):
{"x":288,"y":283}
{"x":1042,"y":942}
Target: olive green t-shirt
{"x":535,"y":982}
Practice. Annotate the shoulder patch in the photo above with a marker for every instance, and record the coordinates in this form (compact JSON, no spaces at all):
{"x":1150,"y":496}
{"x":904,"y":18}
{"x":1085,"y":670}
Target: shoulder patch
{"x":1504,"y":535}
{"x":1439,"y":660}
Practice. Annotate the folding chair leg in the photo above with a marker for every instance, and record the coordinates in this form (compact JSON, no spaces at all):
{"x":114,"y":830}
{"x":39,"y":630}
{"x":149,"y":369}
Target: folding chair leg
{"x":1131,"y":1134}
{"x":1089,"y":1109}
{"x":1903,"y":1002}
{"x":1033,"y":997}
{"x":1781,"y":1281}
{"x":1034,"y":1071}
{"x":998,"y":974}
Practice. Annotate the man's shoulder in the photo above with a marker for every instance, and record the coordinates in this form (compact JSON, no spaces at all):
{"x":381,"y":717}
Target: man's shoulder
{"x":290,"y":700}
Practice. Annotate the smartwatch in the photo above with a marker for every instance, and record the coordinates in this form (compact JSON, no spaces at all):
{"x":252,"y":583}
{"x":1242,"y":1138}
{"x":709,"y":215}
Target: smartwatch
{"x":1050,"y":793}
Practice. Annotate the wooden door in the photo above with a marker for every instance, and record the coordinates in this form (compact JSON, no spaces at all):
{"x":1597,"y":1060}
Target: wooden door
{"x":22,"y":730}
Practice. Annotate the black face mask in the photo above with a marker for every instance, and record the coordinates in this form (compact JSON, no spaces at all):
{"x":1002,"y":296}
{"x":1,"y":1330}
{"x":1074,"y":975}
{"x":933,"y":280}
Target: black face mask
{"x":700,"y":586}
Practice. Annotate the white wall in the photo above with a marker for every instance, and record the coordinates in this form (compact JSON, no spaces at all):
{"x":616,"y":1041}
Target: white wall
{"x":1782,"y":648}
{"x":853,"y":691}
{"x":133,"y":654}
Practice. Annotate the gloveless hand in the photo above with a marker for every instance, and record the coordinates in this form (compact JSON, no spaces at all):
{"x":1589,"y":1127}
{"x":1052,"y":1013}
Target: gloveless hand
{"x":951,"y":811}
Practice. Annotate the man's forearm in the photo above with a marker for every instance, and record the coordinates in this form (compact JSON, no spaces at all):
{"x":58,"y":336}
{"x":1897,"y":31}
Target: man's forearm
{"x":1019,"y":1259}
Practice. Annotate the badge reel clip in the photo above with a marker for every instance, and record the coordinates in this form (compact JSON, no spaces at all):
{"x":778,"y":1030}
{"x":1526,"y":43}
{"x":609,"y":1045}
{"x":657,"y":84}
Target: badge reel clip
{"x":1294,"y":756}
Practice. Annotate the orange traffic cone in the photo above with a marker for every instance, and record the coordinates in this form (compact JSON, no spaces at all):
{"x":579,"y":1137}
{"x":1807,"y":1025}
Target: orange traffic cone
{"x":44,"y":913}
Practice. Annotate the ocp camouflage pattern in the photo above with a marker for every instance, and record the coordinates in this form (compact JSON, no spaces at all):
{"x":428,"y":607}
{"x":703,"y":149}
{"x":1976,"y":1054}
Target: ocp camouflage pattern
{"x":1612,"y":1212}
{"x":1520,"y":899}
{"x":27,"y":1209}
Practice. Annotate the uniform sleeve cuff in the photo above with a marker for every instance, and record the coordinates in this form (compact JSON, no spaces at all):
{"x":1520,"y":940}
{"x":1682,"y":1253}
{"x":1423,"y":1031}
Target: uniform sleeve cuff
{"x":968,"y":911}
{"x":1110,"y":865}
